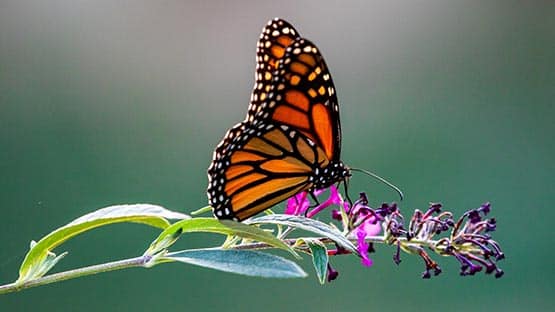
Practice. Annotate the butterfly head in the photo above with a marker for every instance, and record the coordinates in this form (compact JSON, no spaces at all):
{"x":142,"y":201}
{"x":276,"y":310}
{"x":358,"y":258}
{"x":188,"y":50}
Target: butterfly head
{"x":335,"y":171}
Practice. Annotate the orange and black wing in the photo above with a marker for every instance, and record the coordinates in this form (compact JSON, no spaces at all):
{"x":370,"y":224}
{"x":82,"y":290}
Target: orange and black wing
{"x":256,"y":167}
{"x":303,"y":97}
{"x":276,"y":36}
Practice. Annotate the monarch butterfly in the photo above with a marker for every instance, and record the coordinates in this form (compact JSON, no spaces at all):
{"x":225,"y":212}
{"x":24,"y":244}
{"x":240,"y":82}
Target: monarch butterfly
{"x":290,"y":140}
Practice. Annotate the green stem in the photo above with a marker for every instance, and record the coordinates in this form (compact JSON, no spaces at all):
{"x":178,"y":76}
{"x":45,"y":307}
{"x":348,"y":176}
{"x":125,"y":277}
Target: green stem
{"x":143,"y":261}
{"x":71,"y":274}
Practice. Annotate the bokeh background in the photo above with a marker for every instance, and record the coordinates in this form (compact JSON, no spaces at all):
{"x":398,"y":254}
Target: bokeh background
{"x":107,"y":102}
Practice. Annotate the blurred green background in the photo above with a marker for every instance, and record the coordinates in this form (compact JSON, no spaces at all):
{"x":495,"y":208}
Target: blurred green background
{"x":107,"y":102}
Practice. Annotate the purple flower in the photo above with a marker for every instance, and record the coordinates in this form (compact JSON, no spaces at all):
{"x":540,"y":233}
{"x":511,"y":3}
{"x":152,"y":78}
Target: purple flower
{"x":299,"y":204}
{"x":363,"y":248}
{"x":366,"y":222}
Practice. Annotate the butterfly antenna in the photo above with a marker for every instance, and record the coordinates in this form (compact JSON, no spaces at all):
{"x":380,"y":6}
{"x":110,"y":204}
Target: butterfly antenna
{"x":384,"y":181}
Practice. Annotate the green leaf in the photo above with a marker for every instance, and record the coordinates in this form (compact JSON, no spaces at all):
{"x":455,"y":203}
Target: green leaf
{"x":49,"y":262}
{"x":320,"y":257}
{"x":39,"y":259}
{"x":307,"y":224}
{"x":244,"y":262}
{"x":202,"y":210}
{"x":211,"y":225}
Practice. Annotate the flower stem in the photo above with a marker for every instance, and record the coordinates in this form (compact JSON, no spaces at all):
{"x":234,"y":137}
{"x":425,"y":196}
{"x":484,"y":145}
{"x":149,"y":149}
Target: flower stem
{"x":71,"y":274}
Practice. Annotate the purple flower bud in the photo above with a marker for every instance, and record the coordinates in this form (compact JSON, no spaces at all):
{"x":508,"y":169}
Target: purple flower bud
{"x":474,"y":216}
{"x":491,"y":225}
{"x":490,"y":268}
{"x":397,"y":255}
{"x":474,"y":269}
{"x":363,"y":198}
{"x":437,"y":270}
{"x":485,"y":208}
{"x":332,"y":274}
{"x":336,"y":215}
{"x":436,"y":207}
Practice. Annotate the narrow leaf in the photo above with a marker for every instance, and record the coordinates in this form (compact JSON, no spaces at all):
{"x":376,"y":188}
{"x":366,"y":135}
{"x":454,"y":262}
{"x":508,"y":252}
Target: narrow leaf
{"x":51,"y":260}
{"x":202,"y":210}
{"x":307,"y":224}
{"x":244,"y":262}
{"x":212,"y":225}
{"x":35,"y":263}
{"x":319,"y":258}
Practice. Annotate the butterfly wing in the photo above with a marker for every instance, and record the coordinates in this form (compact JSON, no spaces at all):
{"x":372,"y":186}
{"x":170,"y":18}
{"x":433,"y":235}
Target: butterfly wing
{"x":256,"y":167}
{"x":276,"y":36}
{"x":292,"y":130}
{"x":302,"y":96}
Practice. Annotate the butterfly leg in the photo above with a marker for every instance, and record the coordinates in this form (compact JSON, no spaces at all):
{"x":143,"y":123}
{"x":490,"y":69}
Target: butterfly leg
{"x":346,"y":187}
{"x":316,"y":203}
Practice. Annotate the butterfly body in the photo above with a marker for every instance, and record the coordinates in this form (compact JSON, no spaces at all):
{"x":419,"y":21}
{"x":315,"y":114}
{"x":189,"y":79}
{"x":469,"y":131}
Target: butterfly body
{"x":290,"y":140}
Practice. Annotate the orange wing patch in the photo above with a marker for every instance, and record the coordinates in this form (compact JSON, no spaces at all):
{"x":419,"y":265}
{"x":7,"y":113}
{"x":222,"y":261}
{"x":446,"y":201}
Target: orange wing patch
{"x":322,"y":124}
{"x":286,"y":165}
{"x":277,"y":52}
{"x":251,"y":194}
{"x":260,"y":145}
{"x":233,"y":185}
{"x":284,"y":40}
{"x":299,"y":68}
{"x":236,"y":170}
{"x":305,"y":150}
{"x":241,"y":156}
{"x":297,"y":99}
{"x":245,"y":213}
{"x":308,"y":59}
{"x":279,"y":138}
{"x":289,"y":116}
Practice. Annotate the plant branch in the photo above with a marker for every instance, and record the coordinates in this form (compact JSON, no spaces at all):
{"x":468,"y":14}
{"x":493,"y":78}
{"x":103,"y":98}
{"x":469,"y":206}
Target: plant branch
{"x":143,"y":261}
{"x":370,"y":239}
{"x":71,"y":274}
